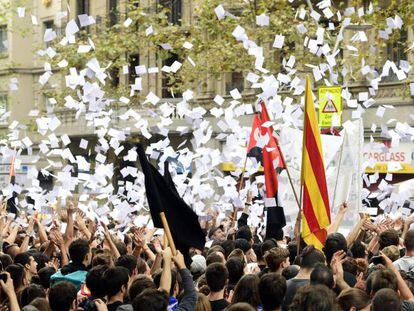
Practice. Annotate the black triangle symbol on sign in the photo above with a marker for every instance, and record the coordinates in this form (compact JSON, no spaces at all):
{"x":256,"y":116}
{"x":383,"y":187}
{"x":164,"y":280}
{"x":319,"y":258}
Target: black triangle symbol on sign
{"x":330,"y":107}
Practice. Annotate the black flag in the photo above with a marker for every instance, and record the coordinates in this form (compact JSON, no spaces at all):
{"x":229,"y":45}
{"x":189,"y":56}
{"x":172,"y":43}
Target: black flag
{"x":162,"y":196}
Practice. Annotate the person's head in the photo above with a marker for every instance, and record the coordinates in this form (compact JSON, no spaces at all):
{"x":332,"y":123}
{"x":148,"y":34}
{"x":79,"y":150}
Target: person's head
{"x":217,"y":234}
{"x":310,"y":257}
{"x":247,"y":290}
{"x":386,"y":299}
{"x":44,"y":275}
{"x":243,"y":244}
{"x":272,"y":290}
{"x":217,"y":277}
{"x":387,"y":238}
{"x":313,"y":298}
{"x":267,"y":245}
{"x":214,"y":257}
{"x":31,"y":292}
{"x":62,"y":296}
{"x":392,"y":252}
{"x":18,"y":275}
{"x":409,"y":240}
{"x":116,"y":281}
{"x":203,"y":304}
{"x":382,"y":278}
{"x":237,"y":252}
{"x":228,"y":246}
{"x":102,"y":259}
{"x":11,"y":249}
{"x":334,"y":242}
{"x":235,"y":267}
{"x":94,"y":281}
{"x":241,"y":306}
{"x":290,"y":272}
{"x":41,"y":304}
{"x":41,"y":259}
{"x":142,"y":267}
{"x":198,"y":265}
{"x":358,"y":250}
{"x":277,"y":258}
{"x":27,"y":261}
{"x":353,"y":299}
{"x":151,"y":300}
{"x":80,"y":252}
{"x":141,"y":283}
{"x":129,"y":262}
{"x":244,"y":232}
{"x":5,"y":260}
{"x":322,"y":275}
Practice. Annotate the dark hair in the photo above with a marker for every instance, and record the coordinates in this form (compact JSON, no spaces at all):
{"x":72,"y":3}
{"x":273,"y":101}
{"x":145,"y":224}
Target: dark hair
{"x":243,"y":244}
{"x":17,"y":274}
{"x":383,"y":278}
{"x":22,"y":258}
{"x":213,"y":257}
{"x":272,"y":290}
{"x":247,"y":290}
{"x":127,"y":261}
{"x":102,"y":259}
{"x":228,"y":246}
{"x":244,"y":232}
{"x":275,"y":257}
{"x":386,"y":299}
{"x":6,"y":260}
{"x":409,"y":240}
{"x":321,"y":274}
{"x":140,"y":284}
{"x":235,"y":267}
{"x":114,"y":278}
{"x":95,"y":282}
{"x":241,"y":306}
{"x":31,"y":292}
{"x":358,"y":249}
{"x":268,"y":245}
{"x":121,"y":247}
{"x":350,"y":265}
{"x":78,"y":250}
{"x":334,"y":242}
{"x":41,"y":259}
{"x":313,"y":298}
{"x":151,"y":300}
{"x":61,"y":296}
{"x":387,"y":238}
{"x":353,"y":297}
{"x":310,"y":257}
{"x":216,"y":276}
{"x":290,"y":272}
{"x":44,"y":275}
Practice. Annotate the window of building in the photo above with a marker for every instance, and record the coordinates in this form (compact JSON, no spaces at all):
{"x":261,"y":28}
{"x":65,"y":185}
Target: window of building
{"x":3,"y":39}
{"x":235,"y":81}
{"x":396,"y":52}
{"x":114,"y":73}
{"x":174,"y":10}
{"x":166,"y":79}
{"x":113,"y":12}
{"x":133,"y":62}
{"x":3,"y":103}
{"x":48,"y":25}
{"x":82,"y":7}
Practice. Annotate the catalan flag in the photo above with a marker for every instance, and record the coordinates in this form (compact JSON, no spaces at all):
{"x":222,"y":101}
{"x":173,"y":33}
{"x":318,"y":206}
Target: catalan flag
{"x":315,"y":203}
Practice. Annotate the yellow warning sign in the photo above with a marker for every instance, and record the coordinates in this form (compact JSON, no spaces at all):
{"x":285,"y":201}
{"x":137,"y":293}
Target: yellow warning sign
{"x":330,"y":106}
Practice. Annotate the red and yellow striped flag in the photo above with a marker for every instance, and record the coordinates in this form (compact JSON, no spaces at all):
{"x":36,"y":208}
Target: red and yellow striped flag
{"x":315,"y":204}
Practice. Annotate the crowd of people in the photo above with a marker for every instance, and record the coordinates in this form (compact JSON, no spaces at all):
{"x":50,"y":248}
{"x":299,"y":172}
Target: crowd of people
{"x":70,"y":265}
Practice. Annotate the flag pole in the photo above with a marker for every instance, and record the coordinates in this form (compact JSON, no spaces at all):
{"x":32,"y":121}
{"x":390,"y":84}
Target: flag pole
{"x":168,"y":233}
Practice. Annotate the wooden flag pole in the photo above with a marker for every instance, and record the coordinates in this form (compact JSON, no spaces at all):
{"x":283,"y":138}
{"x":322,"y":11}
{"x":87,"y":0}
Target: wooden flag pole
{"x":168,"y":233}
